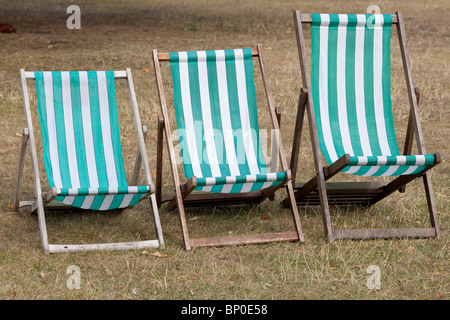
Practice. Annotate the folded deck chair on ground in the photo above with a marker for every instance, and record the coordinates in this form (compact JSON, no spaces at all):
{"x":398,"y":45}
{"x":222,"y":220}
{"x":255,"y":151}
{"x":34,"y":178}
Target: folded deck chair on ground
{"x":348,"y":104}
{"x":82,"y":151}
{"x":217,"y":120}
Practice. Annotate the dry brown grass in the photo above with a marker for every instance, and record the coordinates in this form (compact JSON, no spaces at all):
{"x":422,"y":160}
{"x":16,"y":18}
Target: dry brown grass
{"x":119,"y":34}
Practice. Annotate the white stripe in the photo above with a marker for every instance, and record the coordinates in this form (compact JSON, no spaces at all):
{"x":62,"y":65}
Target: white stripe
{"x":410,"y":170}
{"x":362,"y":161}
{"x":246,"y":187}
{"x":247,"y":134}
{"x":206,"y":115}
{"x":210,"y":181}
{"x":230,"y":180}
{"x":272,"y":176}
{"x":378,"y":85}
{"x":70,"y":135}
{"x":323,"y":87}
{"x":420,"y":160}
{"x":87,"y":203}
{"x":267,"y":185}
{"x":225,"y":113}
{"x":68,"y":200}
{"x":131,"y":189}
{"x":341,"y":86}
{"x":227,"y":188}
{"x":126,"y":200}
{"x":353,"y":169}
{"x":106,"y":202}
{"x":391,"y":171}
{"x":106,"y":129}
{"x":401,"y":160}
{"x":359,"y":85}
{"x":371,"y":171}
{"x":87,"y":130}
{"x":187,"y":111}
{"x":51,"y":128}
{"x":381,"y":160}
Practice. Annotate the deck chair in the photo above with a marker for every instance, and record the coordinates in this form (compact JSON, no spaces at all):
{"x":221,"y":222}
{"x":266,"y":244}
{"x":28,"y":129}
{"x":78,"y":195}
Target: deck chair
{"x":82,"y":151}
{"x":216,"y":115}
{"x":348,"y":103}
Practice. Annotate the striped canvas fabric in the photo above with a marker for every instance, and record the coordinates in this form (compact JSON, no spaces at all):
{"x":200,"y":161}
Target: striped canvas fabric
{"x":217,"y":119}
{"x":81,"y":141}
{"x":351,"y":89}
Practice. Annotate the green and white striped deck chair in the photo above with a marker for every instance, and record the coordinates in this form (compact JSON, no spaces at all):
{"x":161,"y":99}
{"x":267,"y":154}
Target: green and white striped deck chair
{"x":217,"y":124}
{"x":82,"y":149}
{"x":348,"y":99}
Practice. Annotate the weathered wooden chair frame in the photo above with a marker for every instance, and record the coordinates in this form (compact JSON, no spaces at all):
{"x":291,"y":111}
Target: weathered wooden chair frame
{"x":45,"y":199}
{"x":317,"y":192}
{"x":183,"y":196}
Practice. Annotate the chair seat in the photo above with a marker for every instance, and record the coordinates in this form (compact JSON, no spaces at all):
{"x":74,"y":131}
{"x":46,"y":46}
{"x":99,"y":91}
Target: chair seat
{"x":268,"y":177}
{"x":389,"y":165}
{"x":416,"y":160}
{"x":104,"y":191}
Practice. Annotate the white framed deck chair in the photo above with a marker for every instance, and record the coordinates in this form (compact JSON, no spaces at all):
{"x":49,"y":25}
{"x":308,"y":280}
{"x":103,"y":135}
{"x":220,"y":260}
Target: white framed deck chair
{"x":82,"y":151}
{"x":348,"y":103}
{"x":217,"y":122}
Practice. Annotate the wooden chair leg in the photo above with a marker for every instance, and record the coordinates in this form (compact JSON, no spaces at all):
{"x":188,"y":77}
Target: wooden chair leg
{"x":19,"y":180}
{"x":274,"y":152}
{"x":137,"y":164}
{"x":431,"y":204}
{"x":159,"y":159}
{"x":294,"y":208}
{"x":410,"y":133}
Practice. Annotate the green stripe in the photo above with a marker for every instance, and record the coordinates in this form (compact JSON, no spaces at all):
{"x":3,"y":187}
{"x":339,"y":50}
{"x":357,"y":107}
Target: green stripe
{"x":96,"y":204}
{"x":136,"y":198}
{"x":42,"y":111}
{"x":97,"y":131}
{"x":315,"y":54}
{"x":115,"y":134}
{"x":369,"y":93}
{"x":78,"y":202}
{"x":350,"y":85}
{"x":197,"y":117}
{"x":386,"y":79}
{"x":216,"y":116}
{"x":235,"y":116}
{"x":253,"y":115}
{"x":117,"y":201}
{"x":78,"y":130}
{"x":179,"y":115}
{"x":332,"y":85}
{"x":60,"y":130}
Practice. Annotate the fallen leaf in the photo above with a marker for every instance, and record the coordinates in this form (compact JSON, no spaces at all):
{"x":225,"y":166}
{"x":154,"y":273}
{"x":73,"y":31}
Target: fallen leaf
{"x":159,"y":254}
{"x":332,"y":268}
{"x":50,"y":46}
{"x":440,"y":296}
{"x":18,"y":134}
{"x":193,"y":218}
{"x":42,"y":274}
{"x":145,"y":69}
{"x":11,"y":207}
{"x":410,"y":248}
{"x":144,"y":252}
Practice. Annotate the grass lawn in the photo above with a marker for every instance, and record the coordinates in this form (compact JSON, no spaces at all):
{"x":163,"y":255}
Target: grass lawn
{"x":118,"y":34}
